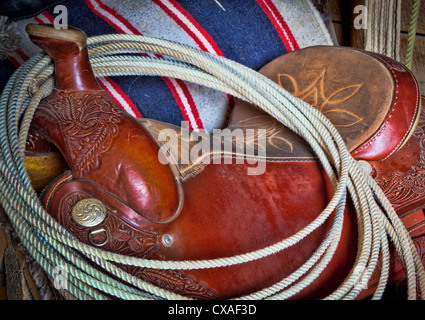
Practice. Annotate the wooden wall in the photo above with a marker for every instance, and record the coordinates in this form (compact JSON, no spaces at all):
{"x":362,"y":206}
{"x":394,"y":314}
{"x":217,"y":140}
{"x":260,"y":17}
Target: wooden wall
{"x":342,"y":14}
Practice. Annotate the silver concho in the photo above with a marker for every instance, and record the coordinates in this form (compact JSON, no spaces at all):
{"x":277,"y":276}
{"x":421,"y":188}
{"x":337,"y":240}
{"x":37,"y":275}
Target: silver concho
{"x":89,"y":212}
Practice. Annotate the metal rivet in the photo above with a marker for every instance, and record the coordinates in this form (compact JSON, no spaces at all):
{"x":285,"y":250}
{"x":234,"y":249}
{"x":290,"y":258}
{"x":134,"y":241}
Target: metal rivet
{"x":167,"y":240}
{"x":89,"y":212}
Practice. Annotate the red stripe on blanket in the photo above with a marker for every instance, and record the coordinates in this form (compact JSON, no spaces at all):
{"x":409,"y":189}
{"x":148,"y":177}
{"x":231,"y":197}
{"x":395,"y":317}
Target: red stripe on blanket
{"x":279,"y":24}
{"x":17,"y":58}
{"x":126,"y":98}
{"x":22,"y":54}
{"x":186,"y":92}
{"x":201,"y":37}
{"x":189,"y":118}
{"x":44,"y":18}
{"x":119,"y":97}
{"x":129,"y":28}
{"x":121,"y":25}
{"x":176,"y":12}
{"x":15,"y":62}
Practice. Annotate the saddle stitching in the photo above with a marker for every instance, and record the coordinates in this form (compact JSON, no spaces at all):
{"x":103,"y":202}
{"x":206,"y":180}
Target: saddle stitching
{"x":385,"y":125}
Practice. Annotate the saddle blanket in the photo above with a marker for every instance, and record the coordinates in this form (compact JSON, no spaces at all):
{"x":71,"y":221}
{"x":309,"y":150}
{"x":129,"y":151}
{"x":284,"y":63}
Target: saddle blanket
{"x":251,"y":32}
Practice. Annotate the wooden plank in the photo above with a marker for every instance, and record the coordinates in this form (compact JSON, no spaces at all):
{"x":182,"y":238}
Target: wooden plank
{"x":348,"y":36}
{"x":342,"y":15}
{"x":343,"y":10}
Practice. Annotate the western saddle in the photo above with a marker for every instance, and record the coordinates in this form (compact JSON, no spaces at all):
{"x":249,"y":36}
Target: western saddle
{"x":200,"y":210}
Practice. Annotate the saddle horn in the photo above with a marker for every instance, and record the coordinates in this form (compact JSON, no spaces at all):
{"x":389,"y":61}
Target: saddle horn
{"x":100,"y":142}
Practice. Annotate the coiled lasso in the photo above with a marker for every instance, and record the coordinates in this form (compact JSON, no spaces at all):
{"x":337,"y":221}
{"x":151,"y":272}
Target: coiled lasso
{"x":114,"y":55}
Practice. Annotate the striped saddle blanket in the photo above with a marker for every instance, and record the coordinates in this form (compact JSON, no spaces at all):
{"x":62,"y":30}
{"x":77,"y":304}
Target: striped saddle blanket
{"x":251,"y":32}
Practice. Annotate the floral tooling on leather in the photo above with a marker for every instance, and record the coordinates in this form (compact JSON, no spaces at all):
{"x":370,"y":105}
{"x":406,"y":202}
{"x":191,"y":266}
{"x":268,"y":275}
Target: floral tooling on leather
{"x":329,"y":105}
{"x":88,"y":123}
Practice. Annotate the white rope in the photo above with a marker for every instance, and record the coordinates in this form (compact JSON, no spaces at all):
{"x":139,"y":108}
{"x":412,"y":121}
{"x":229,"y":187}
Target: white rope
{"x":110,"y":56}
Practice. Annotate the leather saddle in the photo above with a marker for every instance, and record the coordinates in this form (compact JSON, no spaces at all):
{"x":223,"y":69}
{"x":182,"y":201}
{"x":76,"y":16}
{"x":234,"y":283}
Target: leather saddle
{"x":118,"y":194}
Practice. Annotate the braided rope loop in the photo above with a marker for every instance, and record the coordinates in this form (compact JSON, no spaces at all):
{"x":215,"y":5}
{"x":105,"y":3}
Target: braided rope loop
{"x":112,"y":55}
